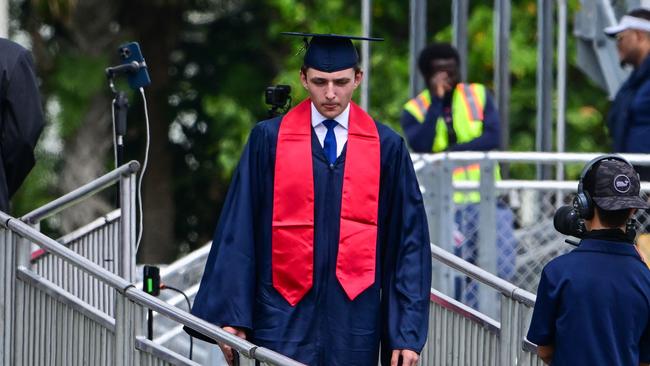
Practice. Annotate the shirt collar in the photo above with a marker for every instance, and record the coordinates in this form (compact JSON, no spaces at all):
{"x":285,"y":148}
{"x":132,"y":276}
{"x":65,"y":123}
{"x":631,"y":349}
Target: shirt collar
{"x":607,"y":246}
{"x":342,"y":119}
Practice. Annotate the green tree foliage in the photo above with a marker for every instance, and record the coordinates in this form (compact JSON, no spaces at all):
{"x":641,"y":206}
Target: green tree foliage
{"x":212,"y":60}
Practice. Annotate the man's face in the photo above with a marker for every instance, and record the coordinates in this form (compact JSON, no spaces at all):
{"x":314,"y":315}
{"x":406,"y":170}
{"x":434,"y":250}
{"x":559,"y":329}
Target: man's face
{"x":330,"y":91}
{"x":448,"y":67}
{"x":627,"y":43}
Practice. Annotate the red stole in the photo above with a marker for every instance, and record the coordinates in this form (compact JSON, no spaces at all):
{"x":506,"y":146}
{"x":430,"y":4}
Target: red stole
{"x":293,"y":206}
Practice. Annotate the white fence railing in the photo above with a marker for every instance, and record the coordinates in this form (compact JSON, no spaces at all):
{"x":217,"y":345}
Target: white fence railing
{"x":509,"y":232}
{"x":103,"y":241}
{"x":36,"y":311}
{"x":460,"y":335}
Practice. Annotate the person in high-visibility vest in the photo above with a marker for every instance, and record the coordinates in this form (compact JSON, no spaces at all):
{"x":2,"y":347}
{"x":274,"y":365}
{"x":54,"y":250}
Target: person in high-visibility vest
{"x":454,"y":116}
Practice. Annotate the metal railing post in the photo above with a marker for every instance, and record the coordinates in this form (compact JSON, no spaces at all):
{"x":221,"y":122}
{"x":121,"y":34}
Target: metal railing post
{"x":127,"y":227}
{"x":124,"y":330}
{"x":366,"y":23}
{"x":487,"y":236}
{"x":430,"y":180}
{"x":505,"y":333}
{"x":445,"y":225}
{"x":544,"y":129}
{"x":7,"y":290}
{"x":502,"y":17}
{"x":417,"y":41}
{"x":460,"y":15}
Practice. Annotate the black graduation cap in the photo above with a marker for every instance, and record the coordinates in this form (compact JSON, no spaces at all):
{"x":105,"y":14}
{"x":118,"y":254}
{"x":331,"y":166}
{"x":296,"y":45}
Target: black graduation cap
{"x":330,"y":52}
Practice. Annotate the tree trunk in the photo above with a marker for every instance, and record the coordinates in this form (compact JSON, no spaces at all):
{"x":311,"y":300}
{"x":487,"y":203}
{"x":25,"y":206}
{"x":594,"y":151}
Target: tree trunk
{"x":85,"y":153}
{"x":158,"y":34}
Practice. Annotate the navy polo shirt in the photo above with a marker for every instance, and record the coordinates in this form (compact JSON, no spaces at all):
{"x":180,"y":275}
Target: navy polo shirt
{"x":593,"y":305}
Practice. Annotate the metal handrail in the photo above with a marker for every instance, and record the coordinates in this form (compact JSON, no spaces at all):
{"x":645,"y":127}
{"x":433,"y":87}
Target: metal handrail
{"x":80,"y":193}
{"x":140,"y":297}
{"x":525,"y":157}
{"x":81,"y":232}
{"x":564,"y":185}
{"x":479,"y":274}
{"x":90,"y":227}
{"x":465,"y":311}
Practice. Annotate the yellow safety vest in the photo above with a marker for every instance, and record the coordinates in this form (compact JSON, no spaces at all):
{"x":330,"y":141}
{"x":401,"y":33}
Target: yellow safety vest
{"x":468,"y":104}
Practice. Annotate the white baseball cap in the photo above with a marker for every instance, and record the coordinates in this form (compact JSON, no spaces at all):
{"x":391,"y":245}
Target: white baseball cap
{"x":628,"y":22}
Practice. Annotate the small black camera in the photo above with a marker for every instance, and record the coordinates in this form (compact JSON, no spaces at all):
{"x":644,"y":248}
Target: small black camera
{"x":277,"y":96}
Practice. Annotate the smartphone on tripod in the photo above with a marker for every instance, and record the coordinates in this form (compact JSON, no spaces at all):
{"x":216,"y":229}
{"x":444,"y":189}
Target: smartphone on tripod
{"x":129,"y":53}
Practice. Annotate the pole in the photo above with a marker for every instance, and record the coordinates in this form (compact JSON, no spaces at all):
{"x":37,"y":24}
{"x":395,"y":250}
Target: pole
{"x":561,"y":93}
{"x":4,"y":18}
{"x":417,"y":41}
{"x":502,"y":18}
{"x":544,"y":81}
{"x":120,"y":108}
{"x":366,"y":8}
{"x":460,"y":10}
{"x":561,"y":82}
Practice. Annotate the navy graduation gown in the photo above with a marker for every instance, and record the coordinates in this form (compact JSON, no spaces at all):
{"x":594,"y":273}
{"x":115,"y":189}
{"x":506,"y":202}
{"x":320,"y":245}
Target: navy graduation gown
{"x":325,"y":327}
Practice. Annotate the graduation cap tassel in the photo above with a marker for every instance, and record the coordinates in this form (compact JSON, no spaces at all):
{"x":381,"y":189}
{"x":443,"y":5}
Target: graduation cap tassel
{"x":304,"y":47}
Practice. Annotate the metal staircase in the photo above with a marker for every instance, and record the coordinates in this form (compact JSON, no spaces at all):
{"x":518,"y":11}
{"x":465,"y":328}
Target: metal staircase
{"x":74,"y":302}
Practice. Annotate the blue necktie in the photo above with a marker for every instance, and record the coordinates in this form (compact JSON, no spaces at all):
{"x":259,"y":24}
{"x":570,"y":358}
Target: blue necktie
{"x":329,"y":145}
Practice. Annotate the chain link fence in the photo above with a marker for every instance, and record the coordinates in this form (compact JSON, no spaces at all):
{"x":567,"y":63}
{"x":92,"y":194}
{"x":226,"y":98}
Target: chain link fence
{"x":509,"y":231}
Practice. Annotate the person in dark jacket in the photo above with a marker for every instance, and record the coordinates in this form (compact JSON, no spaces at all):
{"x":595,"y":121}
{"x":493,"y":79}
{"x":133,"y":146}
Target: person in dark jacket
{"x":629,"y":116}
{"x":21,"y":118}
{"x":450,"y":115}
{"x":593,"y":303}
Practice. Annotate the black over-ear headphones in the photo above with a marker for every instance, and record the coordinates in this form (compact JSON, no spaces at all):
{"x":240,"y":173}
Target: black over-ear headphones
{"x":570,"y":220}
{"x":582,"y":203}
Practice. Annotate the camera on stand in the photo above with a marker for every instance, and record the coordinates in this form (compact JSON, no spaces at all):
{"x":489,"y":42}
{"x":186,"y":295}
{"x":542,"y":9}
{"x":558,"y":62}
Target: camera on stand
{"x":278,"y":97}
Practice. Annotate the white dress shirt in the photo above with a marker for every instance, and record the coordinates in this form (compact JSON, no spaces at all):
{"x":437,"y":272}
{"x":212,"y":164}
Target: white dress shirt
{"x":340,"y":131}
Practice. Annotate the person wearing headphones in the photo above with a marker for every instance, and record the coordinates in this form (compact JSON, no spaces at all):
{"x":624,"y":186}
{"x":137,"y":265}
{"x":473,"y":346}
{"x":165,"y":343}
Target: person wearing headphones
{"x":593,"y":303}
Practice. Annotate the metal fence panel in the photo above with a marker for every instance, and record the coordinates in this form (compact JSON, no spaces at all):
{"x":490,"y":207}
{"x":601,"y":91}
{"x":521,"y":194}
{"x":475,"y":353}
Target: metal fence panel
{"x":99,"y":242}
{"x":515,"y":318}
{"x":7,"y":291}
{"x":56,"y":329}
{"x":152,"y":354}
{"x":459,"y":335}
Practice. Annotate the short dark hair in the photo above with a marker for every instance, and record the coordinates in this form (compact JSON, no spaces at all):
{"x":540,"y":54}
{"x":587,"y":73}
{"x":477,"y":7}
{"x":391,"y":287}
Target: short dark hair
{"x":435,"y":51}
{"x":640,"y":13}
{"x":609,"y":218}
{"x":613,"y":219}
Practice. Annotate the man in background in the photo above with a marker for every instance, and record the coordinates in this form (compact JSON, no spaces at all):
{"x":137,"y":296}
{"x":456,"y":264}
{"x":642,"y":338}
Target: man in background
{"x":629,"y":117}
{"x":454,"y":116}
{"x":21,"y":118}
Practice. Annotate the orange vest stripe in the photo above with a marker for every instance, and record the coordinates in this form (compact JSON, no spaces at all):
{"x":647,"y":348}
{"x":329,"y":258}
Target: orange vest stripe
{"x":476,"y":102}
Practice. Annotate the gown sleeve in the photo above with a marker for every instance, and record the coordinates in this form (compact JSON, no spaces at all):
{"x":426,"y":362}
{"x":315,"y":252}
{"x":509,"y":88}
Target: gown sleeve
{"x":407,"y":279}
{"x":22,"y":121}
{"x":420,"y":136}
{"x":227,"y":289}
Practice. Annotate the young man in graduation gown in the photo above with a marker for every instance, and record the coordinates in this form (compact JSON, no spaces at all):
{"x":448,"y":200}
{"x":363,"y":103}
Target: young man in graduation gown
{"x":322,"y":248}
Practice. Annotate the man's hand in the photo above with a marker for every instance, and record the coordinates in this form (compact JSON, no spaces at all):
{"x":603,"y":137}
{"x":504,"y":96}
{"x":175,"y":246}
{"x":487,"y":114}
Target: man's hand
{"x":409,"y":358}
{"x":227,"y":350}
{"x":439,"y":84}
{"x":546,"y":353}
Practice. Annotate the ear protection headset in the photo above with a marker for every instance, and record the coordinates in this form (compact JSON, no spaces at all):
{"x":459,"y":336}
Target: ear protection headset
{"x":583,"y":203}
